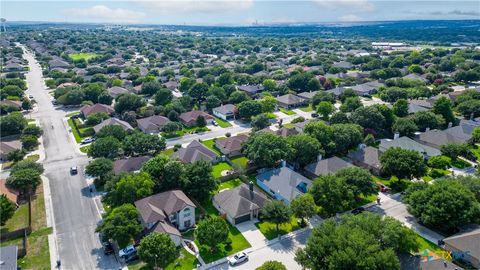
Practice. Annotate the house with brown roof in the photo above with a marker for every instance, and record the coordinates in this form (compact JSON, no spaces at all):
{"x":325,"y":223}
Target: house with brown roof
{"x":231,"y":146}
{"x":168,"y":212}
{"x":7,"y":146}
{"x":11,"y":194}
{"x":290,"y":101}
{"x":190,"y":118}
{"x":96,"y":108}
{"x":239,"y":204}
{"x":195,"y":151}
{"x":131,"y":164}
{"x":152,"y":124}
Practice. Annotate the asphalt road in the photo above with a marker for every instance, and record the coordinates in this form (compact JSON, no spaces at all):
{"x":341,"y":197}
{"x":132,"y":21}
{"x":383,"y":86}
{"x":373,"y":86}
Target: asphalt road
{"x":75,"y":212}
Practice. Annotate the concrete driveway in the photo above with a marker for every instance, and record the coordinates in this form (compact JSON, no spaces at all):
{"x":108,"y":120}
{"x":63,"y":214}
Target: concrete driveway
{"x":252,"y":233}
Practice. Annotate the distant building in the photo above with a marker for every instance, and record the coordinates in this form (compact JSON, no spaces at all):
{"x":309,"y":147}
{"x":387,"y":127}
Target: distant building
{"x":130,"y":164}
{"x":112,"y":122}
{"x":195,"y":151}
{"x":290,"y":101}
{"x":190,"y":118}
{"x":152,"y":124}
{"x":96,"y":108}
{"x":325,"y":166}
{"x":225,"y":112}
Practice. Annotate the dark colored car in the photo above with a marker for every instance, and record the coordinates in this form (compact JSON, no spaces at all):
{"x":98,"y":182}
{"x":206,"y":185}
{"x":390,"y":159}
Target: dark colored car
{"x":107,"y":248}
{"x":73,"y":170}
{"x":314,"y":115}
{"x":358,"y":210}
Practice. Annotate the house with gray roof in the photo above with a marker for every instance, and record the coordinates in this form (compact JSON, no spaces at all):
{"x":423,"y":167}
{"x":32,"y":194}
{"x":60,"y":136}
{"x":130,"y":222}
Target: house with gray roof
{"x":367,"y":157}
{"x":325,"y":166}
{"x":414,"y":108}
{"x":116,"y":91}
{"x":367,"y":88}
{"x":112,"y":122}
{"x":190,"y":118}
{"x":8,"y":145}
{"x":290,"y":101}
{"x":168,"y":212}
{"x":409,"y":144}
{"x":458,"y":134}
{"x":308,"y":96}
{"x":130,"y":164}
{"x":251,"y":90}
{"x":225,"y":112}
{"x":152,"y":124}
{"x":195,"y":151}
{"x":96,"y":108}
{"x":284,"y":184}
{"x":465,"y":245}
{"x":239,"y":204}
{"x":231,"y":146}
{"x":57,"y":63}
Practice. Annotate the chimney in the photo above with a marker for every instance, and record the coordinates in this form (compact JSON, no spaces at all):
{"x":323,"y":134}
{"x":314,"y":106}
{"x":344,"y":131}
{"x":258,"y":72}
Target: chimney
{"x":396,"y":135}
{"x":284,"y":163}
{"x":319,"y":157}
{"x":250,"y":186}
{"x":427,"y":129}
{"x":450,"y":124}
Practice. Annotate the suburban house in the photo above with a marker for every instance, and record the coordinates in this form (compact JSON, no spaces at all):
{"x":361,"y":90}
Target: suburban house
{"x":426,"y":103}
{"x":195,"y":151}
{"x":225,"y":112}
{"x":8,"y":257}
{"x":112,"y":122}
{"x":7,"y":146}
{"x":308,"y":96}
{"x":57,"y":63}
{"x":231,"y":146}
{"x":190,"y":118}
{"x":17,"y":104}
{"x":239,"y":204}
{"x":130,"y":164}
{"x":409,"y":144}
{"x":458,"y":134}
{"x":172,"y":85}
{"x":283,"y":183}
{"x":414,"y":108}
{"x":367,"y":88}
{"x":409,"y":261}
{"x":12,"y":67}
{"x":11,"y":194}
{"x":416,"y":77}
{"x":465,"y":246}
{"x":168,"y":212}
{"x":251,"y":90}
{"x":367,"y":157}
{"x":337,"y":91}
{"x":96,"y":108}
{"x":152,"y":124}
{"x":116,"y":91}
{"x":285,"y":132}
{"x":325,"y":166}
{"x":290,"y":101}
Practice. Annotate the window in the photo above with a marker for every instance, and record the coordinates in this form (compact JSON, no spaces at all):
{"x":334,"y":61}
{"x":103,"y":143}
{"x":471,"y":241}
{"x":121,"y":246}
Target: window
{"x":185,"y":215}
{"x":187,"y":223}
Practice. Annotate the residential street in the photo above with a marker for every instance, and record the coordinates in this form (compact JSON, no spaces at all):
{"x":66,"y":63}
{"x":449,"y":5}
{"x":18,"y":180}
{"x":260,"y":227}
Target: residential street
{"x":75,"y":212}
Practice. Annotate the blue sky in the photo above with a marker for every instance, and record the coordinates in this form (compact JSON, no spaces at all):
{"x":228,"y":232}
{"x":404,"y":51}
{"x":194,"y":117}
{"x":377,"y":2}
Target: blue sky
{"x":235,"y":12}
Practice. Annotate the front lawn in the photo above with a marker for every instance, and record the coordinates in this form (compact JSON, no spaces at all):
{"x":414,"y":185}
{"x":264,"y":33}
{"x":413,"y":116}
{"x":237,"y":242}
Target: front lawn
{"x":239,"y":242}
{"x":74,"y":129}
{"x":365,"y":200}
{"x":229,"y":184}
{"x":79,"y":56}
{"x":460,"y":164}
{"x":219,"y":168}
{"x":222,"y":123}
{"x":307,"y":108}
{"x":168,"y":151}
{"x":269,"y":229}
{"x":287,"y":111}
{"x":476,"y":151}
{"x":393,"y":183}
{"x":242,"y":162}
{"x":185,"y":261}
{"x":84,"y":149}
{"x":211,"y":145}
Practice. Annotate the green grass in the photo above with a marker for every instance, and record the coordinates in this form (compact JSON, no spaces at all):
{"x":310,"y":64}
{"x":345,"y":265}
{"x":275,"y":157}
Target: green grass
{"x":229,"y":184}
{"x":79,"y":56}
{"x":271,"y":115}
{"x":211,"y":145}
{"x":289,"y":125}
{"x":242,"y":162}
{"x":84,"y":149}
{"x":393,"y":183}
{"x":239,"y":242}
{"x":71,"y":114}
{"x":458,"y":163}
{"x":307,"y":108}
{"x":365,"y":200}
{"x":168,"y":151}
{"x":74,"y":129}
{"x":20,"y":217}
{"x":287,"y":111}
{"x":219,"y":168}
{"x":269,"y":229}
{"x":185,"y":261}
{"x":476,"y":151}
{"x":222,"y":123}
{"x":33,"y":157}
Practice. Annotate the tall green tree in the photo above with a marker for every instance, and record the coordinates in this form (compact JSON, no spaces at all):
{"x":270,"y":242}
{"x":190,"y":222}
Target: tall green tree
{"x":99,"y":168}
{"x":303,"y":206}
{"x":129,"y":188}
{"x":157,"y":250}
{"x":265,"y":149}
{"x":107,"y":147}
{"x":443,"y":106}
{"x":276,"y":212}
{"x":211,"y":232}
{"x":400,"y":108}
{"x":402,"y":163}
{"x":271,"y":265}
{"x":7,"y":208}
{"x":305,"y":149}
{"x":359,"y":180}
{"x":199,"y":181}
{"x":121,"y":224}
{"x":332,"y":194}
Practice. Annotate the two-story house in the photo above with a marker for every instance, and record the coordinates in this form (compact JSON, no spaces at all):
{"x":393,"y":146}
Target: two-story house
{"x":168,"y":212}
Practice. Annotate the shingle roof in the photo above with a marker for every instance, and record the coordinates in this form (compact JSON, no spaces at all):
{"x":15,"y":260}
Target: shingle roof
{"x":111,"y":122}
{"x":326,"y":166}
{"x":290,"y":99}
{"x":239,"y":201}
{"x":224,"y":109}
{"x":96,"y":108}
{"x":154,"y":122}
{"x":157,"y":207}
{"x":409,"y":144}
{"x":284,"y":181}
{"x":368,"y":155}
{"x":233,"y":143}
{"x":466,"y":241}
{"x":130,"y":164}
{"x":193,"y":115}
{"x":195,"y":151}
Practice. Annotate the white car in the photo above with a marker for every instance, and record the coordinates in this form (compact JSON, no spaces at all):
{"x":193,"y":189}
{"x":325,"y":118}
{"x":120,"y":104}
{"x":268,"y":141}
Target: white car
{"x":87,"y":140}
{"x":129,"y":250}
{"x":238,"y":258}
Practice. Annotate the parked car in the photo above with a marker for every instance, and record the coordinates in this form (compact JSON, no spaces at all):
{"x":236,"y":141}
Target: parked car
{"x":358,"y":210}
{"x":314,"y":115}
{"x":129,"y":250}
{"x":87,"y":140}
{"x":214,"y":123}
{"x":238,"y":258}
{"x":107,"y":248}
{"x":30,"y":96}
{"x":73,"y":170}
{"x":384,"y":188}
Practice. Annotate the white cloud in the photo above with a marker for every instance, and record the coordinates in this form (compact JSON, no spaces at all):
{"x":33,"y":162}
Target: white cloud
{"x":103,"y":13}
{"x":353,"y":5}
{"x":350,"y":18}
{"x":196,"y":6}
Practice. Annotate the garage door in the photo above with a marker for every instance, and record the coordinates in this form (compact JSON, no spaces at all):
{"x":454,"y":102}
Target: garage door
{"x":241,"y":219}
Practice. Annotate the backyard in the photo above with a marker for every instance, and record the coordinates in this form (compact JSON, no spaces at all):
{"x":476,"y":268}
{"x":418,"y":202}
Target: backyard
{"x":218,"y":168}
{"x":211,"y":145}
{"x":229,"y":184}
{"x":222,"y":123}
{"x":241,"y":161}
{"x":79,"y":56}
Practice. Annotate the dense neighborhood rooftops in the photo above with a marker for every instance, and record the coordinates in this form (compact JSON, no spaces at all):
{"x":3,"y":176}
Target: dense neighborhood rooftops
{"x":409,"y":144}
{"x":225,"y":109}
{"x":195,"y":151}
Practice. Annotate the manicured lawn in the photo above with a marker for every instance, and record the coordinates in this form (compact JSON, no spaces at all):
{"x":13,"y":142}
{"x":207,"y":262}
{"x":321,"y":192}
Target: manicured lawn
{"x":78,"y":56}
{"x":458,"y":163}
{"x":211,"y":145}
{"x":219,"y":168}
{"x":33,"y":157}
{"x":289,"y":125}
{"x":74,"y":129}
{"x":168,"y":151}
{"x":185,"y":261}
{"x":307,"y":108}
{"x":476,"y":150}
{"x":393,"y":183}
{"x":84,"y":149}
{"x":240,"y":161}
{"x":287,"y":112}
{"x":365,"y":200}
{"x":271,"y":115}
{"x":229,"y":184}
{"x":222,"y":123}
{"x":71,"y":114}
{"x":269,"y":229}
